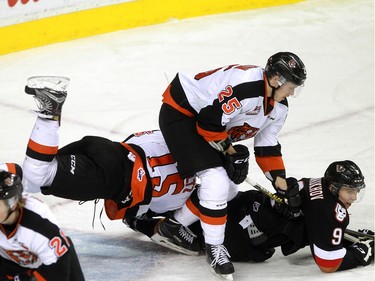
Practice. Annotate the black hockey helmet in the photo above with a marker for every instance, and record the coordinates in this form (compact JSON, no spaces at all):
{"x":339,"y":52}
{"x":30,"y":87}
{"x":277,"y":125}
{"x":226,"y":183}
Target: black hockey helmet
{"x":344,"y":173}
{"x":287,"y":65}
{"x":10,"y":186}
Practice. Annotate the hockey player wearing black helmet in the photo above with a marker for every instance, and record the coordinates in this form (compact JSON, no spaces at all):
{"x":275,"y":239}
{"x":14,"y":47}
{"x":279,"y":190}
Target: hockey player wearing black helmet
{"x":345,"y":180}
{"x":10,"y":196}
{"x":32,"y":246}
{"x":290,"y":74}
{"x":201,"y":118}
{"x":325,"y":202}
{"x":257,"y":224}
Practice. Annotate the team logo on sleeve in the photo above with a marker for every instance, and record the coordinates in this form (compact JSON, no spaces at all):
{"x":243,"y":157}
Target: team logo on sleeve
{"x":340,"y":212}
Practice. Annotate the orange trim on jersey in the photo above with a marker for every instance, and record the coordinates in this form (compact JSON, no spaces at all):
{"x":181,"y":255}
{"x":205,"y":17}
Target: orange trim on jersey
{"x":270,"y":163}
{"x":265,"y":80}
{"x":42,"y":149}
{"x":112,"y":210}
{"x":138,"y":187}
{"x":167,"y":98}
{"x":38,"y":276}
{"x":213,"y":221}
{"x":212,"y":136}
{"x":11,"y":168}
{"x":328,"y":265}
{"x":192,"y":208}
{"x":160,"y":160}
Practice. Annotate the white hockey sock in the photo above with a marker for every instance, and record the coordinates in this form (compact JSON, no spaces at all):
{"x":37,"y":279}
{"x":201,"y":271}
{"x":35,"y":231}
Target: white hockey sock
{"x":46,"y":132}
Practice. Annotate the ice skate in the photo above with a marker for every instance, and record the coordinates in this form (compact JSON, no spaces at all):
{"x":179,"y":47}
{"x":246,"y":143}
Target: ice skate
{"x":175,"y":236}
{"x":218,"y":258}
{"x":49,"y":93}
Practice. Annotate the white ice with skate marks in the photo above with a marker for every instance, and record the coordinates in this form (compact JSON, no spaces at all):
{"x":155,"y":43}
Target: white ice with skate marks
{"x":116,"y":85}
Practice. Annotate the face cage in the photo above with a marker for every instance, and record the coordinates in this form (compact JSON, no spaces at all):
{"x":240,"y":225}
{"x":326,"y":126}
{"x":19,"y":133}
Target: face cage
{"x":297,"y":90}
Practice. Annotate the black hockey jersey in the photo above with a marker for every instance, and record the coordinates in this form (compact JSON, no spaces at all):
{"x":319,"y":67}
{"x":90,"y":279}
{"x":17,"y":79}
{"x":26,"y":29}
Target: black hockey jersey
{"x":326,"y":219}
{"x":251,"y":208}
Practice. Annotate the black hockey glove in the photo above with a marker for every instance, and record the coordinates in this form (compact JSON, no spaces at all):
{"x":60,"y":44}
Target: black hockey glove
{"x":237,"y":164}
{"x":366,"y":231}
{"x":363,"y":251}
{"x":292,"y":206}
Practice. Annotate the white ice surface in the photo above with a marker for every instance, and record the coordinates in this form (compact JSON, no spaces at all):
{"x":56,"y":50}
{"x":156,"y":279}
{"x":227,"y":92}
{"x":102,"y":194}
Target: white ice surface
{"x":116,"y":84}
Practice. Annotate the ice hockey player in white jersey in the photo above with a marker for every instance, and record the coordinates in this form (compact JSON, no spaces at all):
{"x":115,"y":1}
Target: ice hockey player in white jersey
{"x":32,"y":245}
{"x":203,"y":114}
{"x":134,"y":177}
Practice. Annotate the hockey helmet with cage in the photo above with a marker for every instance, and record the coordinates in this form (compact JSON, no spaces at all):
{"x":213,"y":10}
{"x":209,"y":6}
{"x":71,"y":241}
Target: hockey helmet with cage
{"x":344,"y":173}
{"x":287,"y":65}
{"x":10,"y":188}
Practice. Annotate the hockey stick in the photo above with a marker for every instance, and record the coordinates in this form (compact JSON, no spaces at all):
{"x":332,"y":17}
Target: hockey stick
{"x":359,"y":234}
{"x":351,"y":238}
{"x":264,"y":190}
{"x":352,"y":233}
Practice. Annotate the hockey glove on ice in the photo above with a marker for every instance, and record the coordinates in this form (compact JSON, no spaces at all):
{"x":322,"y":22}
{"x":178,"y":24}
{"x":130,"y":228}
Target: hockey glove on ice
{"x":292,"y":199}
{"x":366,"y":231}
{"x":237,"y":164}
{"x":363,"y":251}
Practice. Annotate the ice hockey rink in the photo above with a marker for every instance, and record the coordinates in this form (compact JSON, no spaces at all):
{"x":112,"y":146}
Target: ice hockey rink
{"x":117,"y":80}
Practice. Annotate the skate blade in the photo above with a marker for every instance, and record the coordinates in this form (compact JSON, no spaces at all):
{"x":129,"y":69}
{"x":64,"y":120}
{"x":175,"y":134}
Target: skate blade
{"x":165,"y":242}
{"x":56,"y":83}
{"x":227,"y":277}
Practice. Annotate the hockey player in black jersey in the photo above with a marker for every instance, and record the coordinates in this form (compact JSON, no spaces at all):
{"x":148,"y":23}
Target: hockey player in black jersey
{"x":32,"y":245}
{"x":325,"y":203}
{"x":257,"y":224}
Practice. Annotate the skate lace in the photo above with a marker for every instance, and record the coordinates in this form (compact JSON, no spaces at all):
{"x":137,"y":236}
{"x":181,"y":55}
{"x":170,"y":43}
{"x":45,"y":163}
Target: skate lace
{"x":43,"y":104}
{"x":46,"y":98}
{"x":220,"y":255}
{"x":186,"y":234}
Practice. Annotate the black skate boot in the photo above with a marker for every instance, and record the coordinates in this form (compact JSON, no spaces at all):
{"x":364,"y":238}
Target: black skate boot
{"x":49,"y":93}
{"x":218,"y":258}
{"x":175,"y":236}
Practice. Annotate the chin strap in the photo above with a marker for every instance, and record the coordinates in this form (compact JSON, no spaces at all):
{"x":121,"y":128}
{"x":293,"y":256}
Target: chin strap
{"x":273,"y":88}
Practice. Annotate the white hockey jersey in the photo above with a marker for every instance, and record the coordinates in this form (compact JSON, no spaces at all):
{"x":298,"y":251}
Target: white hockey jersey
{"x":170,"y":192}
{"x":233,"y":102}
{"x":237,"y":93}
{"x":155,"y":182}
{"x":37,"y":238}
